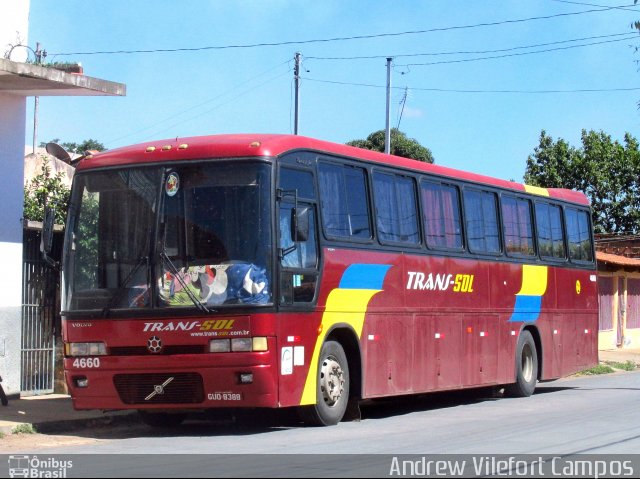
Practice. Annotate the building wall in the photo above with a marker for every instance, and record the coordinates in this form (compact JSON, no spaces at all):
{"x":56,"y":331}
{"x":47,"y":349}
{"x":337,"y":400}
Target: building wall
{"x":620,"y":303}
{"x":14,"y":26}
{"x":12,"y":133}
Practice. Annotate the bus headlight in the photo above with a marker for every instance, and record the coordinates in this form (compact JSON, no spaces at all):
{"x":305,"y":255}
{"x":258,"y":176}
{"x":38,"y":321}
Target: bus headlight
{"x":85,"y":349}
{"x":239,"y":345}
{"x":219,"y":346}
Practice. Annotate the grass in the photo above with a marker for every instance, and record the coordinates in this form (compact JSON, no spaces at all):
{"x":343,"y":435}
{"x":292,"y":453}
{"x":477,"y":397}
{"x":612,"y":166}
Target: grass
{"x":1,"y":435}
{"x":599,"y":369}
{"x":24,"y":429}
{"x":626,"y":366}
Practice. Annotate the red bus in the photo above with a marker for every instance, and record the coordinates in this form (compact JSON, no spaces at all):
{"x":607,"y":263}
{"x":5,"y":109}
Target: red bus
{"x":267,"y":271}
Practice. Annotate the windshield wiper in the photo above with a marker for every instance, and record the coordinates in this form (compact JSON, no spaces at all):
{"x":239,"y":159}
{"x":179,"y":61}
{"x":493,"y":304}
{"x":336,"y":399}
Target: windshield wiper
{"x":198,"y":304}
{"x":118,"y":294}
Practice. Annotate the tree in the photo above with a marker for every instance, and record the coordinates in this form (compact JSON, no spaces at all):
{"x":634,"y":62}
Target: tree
{"x":78,"y":148}
{"x":607,"y":171}
{"x":400,"y":145}
{"x":49,"y":190}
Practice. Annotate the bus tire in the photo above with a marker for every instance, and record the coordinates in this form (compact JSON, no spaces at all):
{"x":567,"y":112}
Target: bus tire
{"x":526,"y":368}
{"x":162,"y":419}
{"x":332,"y":387}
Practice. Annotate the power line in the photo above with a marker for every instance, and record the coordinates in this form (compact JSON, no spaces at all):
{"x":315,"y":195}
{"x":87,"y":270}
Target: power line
{"x":194,"y":107}
{"x":349,"y":38}
{"x":451,"y":90}
{"x":507,"y":55}
{"x":594,"y":5}
{"x":628,"y":35}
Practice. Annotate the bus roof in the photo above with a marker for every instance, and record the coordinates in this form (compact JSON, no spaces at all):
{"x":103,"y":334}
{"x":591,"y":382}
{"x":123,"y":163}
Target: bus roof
{"x":272,"y":145}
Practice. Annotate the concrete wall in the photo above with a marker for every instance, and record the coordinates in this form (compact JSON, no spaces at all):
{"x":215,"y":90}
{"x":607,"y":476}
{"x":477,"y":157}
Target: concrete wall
{"x":14,"y":28}
{"x":12,"y":133}
{"x":14,"y":25}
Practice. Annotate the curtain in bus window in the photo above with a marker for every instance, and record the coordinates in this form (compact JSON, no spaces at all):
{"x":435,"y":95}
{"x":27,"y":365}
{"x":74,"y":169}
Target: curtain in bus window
{"x":482,"y":221}
{"x":441,"y":215}
{"x":550,"y":235}
{"x":518,"y":230}
{"x":345,"y":202}
{"x":557,"y":234}
{"x":358,"y":202}
{"x":395,"y":208}
{"x":407,"y":213}
{"x":543,"y":222}
{"x":333,"y":193}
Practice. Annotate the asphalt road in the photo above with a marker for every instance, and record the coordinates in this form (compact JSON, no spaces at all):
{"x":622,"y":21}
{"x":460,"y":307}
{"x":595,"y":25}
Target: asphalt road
{"x":578,"y":415}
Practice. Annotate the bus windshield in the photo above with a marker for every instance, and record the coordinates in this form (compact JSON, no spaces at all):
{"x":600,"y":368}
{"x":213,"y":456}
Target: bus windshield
{"x":194,"y":235}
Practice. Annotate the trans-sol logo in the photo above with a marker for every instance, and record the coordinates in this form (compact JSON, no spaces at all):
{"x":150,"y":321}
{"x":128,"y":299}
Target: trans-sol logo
{"x":458,"y":283}
{"x":27,"y":466}
{"x":211,"y":325}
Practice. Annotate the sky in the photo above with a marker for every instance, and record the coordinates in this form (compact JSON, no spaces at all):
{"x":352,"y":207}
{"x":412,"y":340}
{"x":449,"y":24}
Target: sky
{"x":474,"y":81}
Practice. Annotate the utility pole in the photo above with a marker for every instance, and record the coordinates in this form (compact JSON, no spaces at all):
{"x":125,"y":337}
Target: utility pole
{"x":296,"y":77}
{"x":387,"y":135}
{"x":40,"y":54}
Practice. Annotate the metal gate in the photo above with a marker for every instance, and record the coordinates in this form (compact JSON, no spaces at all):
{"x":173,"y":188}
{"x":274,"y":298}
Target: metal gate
{"x":39,"y":299}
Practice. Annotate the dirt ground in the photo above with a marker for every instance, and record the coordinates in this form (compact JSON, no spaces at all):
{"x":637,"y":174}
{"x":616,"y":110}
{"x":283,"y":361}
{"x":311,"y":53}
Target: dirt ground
{"x":16,"y":443}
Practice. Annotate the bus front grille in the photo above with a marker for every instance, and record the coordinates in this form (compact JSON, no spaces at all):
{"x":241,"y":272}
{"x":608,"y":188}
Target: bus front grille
{"x":160,"y":388}
{"x":167,"y":350}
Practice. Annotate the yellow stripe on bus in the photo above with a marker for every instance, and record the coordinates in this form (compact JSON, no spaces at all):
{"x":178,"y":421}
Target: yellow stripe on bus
{"x":344,"y":306}
{"x":534,"y":280}
{"x":536,"y":190}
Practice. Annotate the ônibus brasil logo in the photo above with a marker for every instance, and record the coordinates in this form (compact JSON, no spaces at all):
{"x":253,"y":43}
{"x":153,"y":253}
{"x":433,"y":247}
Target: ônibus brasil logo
{"x":28,"y":466}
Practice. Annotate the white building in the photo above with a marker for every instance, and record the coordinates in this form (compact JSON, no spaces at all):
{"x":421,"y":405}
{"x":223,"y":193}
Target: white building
{"x":18,"y":81}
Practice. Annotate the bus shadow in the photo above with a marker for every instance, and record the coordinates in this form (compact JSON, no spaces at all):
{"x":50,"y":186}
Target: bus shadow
{"x":260,"y":421}
{"x":398,"y":406}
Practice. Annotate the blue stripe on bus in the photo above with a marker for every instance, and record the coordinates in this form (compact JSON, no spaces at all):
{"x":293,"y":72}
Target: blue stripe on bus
{"x":527,"y":308}
{"x":364,"y":276}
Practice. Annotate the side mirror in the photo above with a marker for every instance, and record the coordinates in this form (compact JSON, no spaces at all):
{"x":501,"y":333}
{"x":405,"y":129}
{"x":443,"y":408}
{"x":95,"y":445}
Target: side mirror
{"x":46,"y":243}
{"x":300,"y":224}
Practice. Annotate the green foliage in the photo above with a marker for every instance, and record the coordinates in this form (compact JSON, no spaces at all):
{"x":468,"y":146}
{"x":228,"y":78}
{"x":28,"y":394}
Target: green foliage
{"x":46,"y":189}
{"x":599,"y":369}
{"x":626,"y":366}
{"x":24,"y":429}
{"x":400,"y":145}
{"x":607,"y":171}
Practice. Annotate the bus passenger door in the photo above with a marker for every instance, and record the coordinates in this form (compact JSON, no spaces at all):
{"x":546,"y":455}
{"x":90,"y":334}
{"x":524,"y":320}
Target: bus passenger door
{"x":298,"y":255}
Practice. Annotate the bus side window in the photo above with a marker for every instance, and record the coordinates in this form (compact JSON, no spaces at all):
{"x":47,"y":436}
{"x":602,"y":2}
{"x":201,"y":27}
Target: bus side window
{"x":481,"y":216}
{"x":579,"y":235}
{"x":441,"y":215}
{"x":550,"y":233}
{"x":345,"y":206}
{"x":517,"y":226}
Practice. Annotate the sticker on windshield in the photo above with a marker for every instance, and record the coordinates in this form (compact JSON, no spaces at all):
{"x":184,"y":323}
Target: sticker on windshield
{"x":172,"y":184}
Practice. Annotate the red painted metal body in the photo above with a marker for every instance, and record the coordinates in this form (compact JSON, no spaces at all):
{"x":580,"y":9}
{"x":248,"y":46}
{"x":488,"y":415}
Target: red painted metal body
{"x":437,"y":323}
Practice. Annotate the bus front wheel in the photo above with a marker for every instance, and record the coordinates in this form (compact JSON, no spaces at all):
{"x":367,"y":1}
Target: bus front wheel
{"x":332,"y":387}
{"x":526,"y":367}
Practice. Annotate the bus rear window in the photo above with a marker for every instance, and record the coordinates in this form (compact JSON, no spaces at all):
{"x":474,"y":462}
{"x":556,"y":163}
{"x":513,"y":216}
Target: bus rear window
{"x":579,"y":235}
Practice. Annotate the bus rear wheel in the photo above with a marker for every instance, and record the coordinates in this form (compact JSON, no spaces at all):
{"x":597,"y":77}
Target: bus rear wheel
{"x":526,"y":367}
{"x":332,"y":387}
